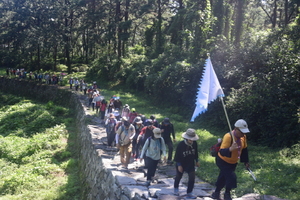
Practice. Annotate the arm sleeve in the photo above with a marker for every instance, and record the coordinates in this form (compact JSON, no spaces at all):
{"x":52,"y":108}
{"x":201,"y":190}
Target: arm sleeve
{"x":117,"y":138}
{"x":163,"y":147}
{"x":196,"y":152}
{"x":244,"y":156}
{"x":145,"y":147}
{"x":173,"y":132}
{"x":226,"y":143}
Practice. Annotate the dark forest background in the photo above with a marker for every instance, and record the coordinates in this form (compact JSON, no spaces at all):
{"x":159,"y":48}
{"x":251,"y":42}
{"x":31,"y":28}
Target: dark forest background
{"x":159,"y":47}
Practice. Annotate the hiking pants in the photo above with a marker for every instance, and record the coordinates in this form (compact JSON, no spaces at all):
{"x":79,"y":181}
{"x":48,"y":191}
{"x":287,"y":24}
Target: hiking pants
{"x":227,"y":176}
{"x":191,"y":181}
{"x":169,"y":143}
{"x":125,"y":152}
{"x":152,"y":165}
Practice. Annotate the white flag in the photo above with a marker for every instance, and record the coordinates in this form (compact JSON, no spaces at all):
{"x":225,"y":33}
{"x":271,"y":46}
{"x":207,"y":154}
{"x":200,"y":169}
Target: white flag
{"x":209,"y":90}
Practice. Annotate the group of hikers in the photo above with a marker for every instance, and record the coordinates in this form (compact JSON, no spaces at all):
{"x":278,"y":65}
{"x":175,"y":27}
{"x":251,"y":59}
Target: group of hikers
{"x":47,"y":78}
{"x":145,"y":139}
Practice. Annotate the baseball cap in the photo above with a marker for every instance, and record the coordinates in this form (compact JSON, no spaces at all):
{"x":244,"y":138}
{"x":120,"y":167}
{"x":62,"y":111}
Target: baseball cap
{"x":242,"y":125}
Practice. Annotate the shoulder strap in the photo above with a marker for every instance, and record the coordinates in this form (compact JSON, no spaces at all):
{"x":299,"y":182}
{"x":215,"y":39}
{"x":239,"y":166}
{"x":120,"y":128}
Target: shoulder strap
{"x":149,"y":138}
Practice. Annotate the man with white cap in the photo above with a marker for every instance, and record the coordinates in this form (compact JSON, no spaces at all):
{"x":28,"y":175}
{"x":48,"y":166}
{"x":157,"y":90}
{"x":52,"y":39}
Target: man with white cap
{"x":233,"y":148}
{"x":186,"y":157}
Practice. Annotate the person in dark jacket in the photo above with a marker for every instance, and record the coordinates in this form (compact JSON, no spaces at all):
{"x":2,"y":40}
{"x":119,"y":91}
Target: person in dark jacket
{"x":233,"y":148}
{"x":167,"y":130}
{"x":186,"y":157}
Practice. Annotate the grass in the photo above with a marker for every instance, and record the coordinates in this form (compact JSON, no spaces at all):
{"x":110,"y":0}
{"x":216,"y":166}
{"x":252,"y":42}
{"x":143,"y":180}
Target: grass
{"x":38,"y":159}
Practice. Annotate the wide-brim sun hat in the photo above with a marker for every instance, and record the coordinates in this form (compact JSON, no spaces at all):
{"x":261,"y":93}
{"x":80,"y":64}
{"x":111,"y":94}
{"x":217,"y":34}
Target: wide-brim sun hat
{"x":124,"y":119}
{"x":157,"y":132}
{"x":190,"y":134}
{"x":242,"y":126}
{"x":138,"y":120}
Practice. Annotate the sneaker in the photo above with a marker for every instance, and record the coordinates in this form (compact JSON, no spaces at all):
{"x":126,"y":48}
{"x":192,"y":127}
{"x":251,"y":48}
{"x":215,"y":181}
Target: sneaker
{"x":191,"y":196}
{"x":169,"y":162}
{"x":148,"y":183}
{"x":227,"y":196}
{"x":215,"y":195}
{"x":176,"y":191}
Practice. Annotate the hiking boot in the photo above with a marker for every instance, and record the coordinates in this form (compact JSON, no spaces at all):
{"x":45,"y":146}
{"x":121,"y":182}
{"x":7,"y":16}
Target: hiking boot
{"x":227,"y":196}
{"x":191,"y":196}
{"x":176,"y":191}
{"x":215,"y":195}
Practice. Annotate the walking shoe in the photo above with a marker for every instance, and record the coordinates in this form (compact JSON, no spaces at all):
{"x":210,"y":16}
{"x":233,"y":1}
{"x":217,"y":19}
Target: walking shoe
{"x":148,"y":183}
{"x":170,"y":162}
{"x":191,"y":196}
{"x":176,"y":191}
{"x":227,"y":196}
{"x":215,"y":195}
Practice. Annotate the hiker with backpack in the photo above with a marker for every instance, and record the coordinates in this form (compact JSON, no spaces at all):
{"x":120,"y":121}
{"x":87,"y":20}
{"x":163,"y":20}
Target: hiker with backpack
{"x":110,"y":124}
{"x":145,"y":133}
{"x":138,"y":125}
{"x":132,"y":115}
{"x":153,"y":148}
{"x":124,"y":136}
{"x":186,"y":158}
{"x":103,"y":109}
{"x":233,"y":148}
{"x":125,"y":111}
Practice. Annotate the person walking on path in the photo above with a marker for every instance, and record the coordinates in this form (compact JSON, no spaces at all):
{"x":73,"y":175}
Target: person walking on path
{"x":71,"y":82}
{"x":145,"y":133}
{"x":152,"y":148}
{"x":125,"y":111}
{"x":138,"y":125}
{"x":110,"y":124}
{"x":103,"y":109}
{"x":132,"y":115}
{"x":186,"y":157}
{"x":230,"y":152}
{"x":124,"y":136}
{"x":167,"y":130}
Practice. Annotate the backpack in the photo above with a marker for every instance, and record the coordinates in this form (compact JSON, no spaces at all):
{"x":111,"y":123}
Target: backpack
{"x":112,"y":122}
{"x":149,"y":138}
{"x":214,"y":149}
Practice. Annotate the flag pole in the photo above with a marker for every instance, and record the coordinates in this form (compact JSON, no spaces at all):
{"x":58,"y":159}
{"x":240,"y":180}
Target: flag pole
{"x":230,"y":130}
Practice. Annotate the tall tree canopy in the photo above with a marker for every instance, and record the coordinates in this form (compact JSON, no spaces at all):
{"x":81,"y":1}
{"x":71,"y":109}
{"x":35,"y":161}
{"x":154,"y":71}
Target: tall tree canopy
{"x":159,"y":47}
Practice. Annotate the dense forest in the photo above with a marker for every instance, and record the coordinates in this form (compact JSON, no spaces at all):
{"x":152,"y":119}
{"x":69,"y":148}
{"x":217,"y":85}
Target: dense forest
{"x":159,"y":47}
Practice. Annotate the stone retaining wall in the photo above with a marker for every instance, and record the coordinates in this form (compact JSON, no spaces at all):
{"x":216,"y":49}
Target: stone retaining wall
{"x":98,"y":183}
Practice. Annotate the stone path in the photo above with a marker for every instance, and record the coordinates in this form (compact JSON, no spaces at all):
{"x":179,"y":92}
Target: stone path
{"x":133,"y":179}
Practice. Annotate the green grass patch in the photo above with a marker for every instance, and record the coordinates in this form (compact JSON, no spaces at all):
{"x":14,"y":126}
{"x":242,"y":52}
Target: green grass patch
{"x":38,"y":158}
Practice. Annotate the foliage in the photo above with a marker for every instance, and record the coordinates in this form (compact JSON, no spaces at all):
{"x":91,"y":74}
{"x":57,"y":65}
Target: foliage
{"x":37,"y":158}
{"x":61,"y":68}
